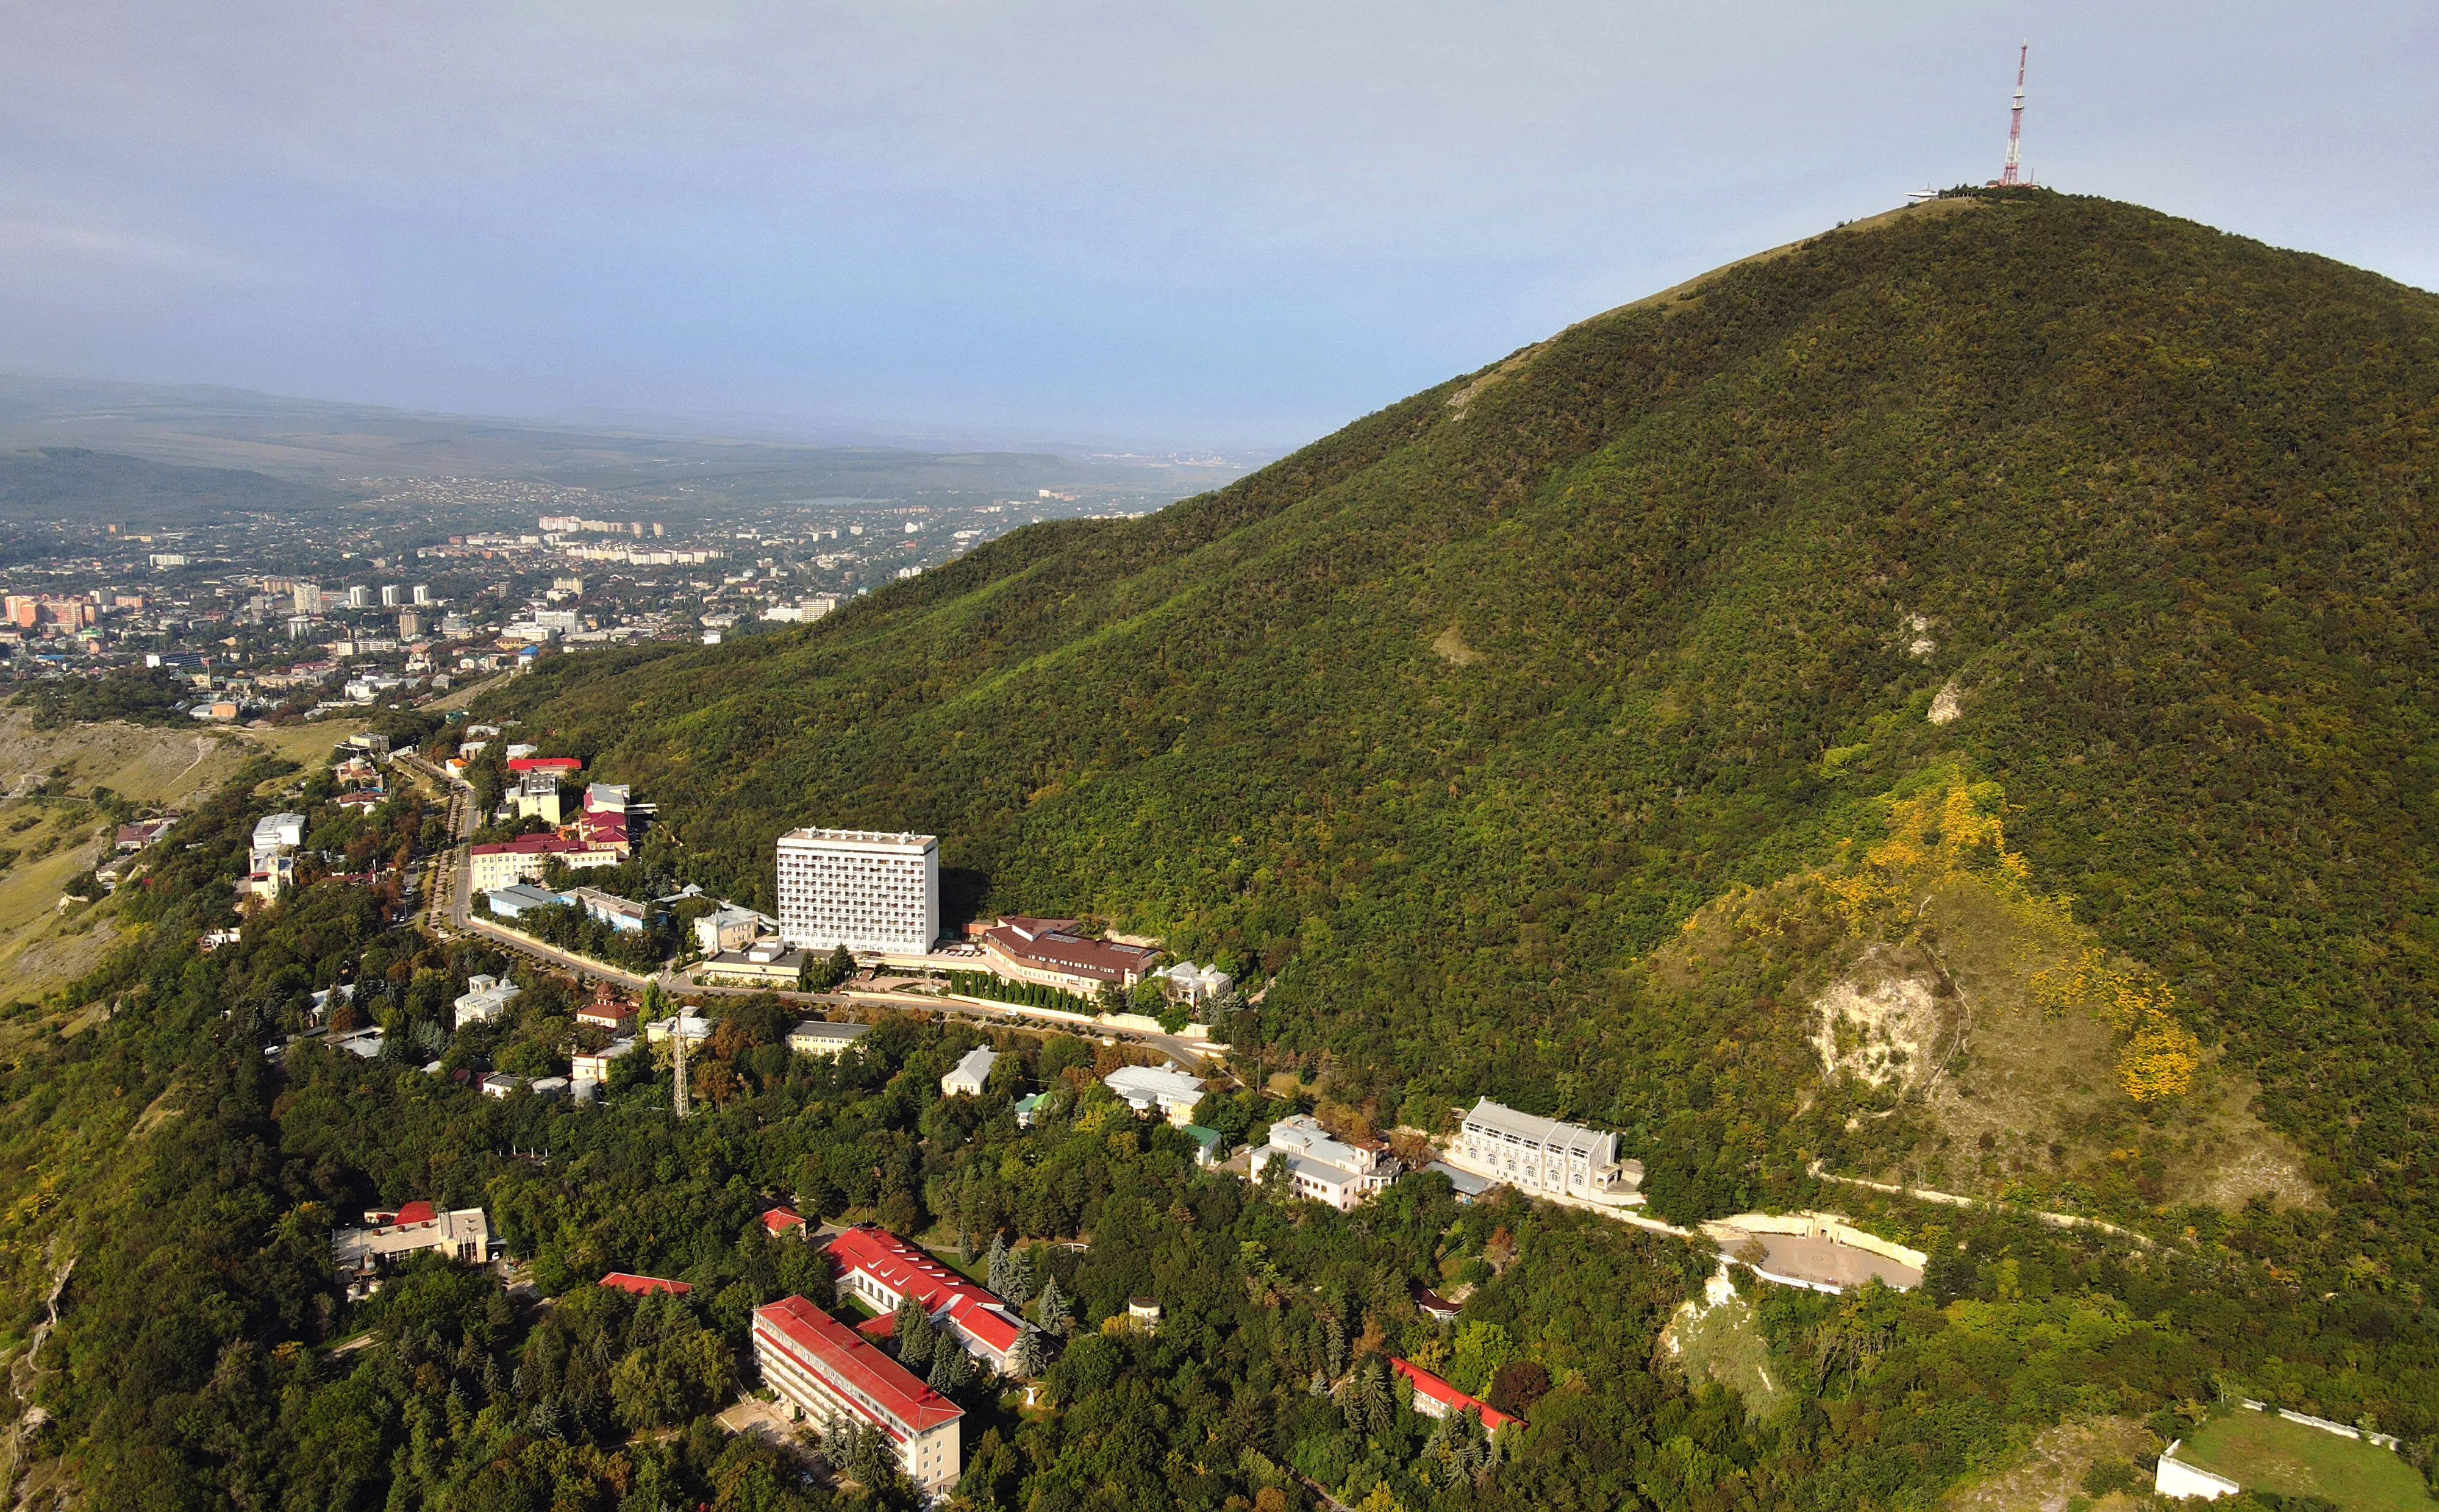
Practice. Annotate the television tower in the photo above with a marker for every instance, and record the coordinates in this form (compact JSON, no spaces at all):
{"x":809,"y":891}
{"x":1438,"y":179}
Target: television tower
{"x":2016,"y":121}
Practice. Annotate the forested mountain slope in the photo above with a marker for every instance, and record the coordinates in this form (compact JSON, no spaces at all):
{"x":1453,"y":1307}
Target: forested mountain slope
{"x":2046,"y":550}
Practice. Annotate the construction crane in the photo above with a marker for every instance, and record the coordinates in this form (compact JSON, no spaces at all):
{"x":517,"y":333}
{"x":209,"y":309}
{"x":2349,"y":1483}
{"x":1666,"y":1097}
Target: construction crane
{"x":2007,"y":175}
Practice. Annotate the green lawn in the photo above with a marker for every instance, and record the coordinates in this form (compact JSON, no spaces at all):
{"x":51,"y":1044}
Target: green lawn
{"x":2264,"y":1451}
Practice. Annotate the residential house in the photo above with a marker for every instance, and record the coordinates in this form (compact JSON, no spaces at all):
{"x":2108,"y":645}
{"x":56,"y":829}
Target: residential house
{"x":1321,"y":1167}
{"x":1147,"y":1088}
{"x":483,"y":999}
{"x":815,"y":1038}
{"x":968,"y":1077}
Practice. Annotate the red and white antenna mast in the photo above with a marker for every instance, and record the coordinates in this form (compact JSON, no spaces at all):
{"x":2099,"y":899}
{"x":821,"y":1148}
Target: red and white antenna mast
{"x":2016,"y":121}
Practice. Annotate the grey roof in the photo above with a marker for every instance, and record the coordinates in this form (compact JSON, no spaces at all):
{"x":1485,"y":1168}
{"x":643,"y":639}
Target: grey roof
{"x":1465,"y":1182}
{"x":976,"y":1064}
{"x":1547,"y":1132}
{"x":816,"y":1030}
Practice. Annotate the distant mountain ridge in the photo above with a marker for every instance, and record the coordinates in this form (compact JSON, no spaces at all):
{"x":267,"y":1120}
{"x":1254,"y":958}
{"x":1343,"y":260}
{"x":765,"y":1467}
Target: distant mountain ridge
{"x":2095,"y":538}
{"x":74,"y":485}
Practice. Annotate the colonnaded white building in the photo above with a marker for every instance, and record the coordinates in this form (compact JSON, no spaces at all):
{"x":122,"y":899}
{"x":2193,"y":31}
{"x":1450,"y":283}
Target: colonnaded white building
{"x":866,"y":891}
{"x":1543,"y":1154}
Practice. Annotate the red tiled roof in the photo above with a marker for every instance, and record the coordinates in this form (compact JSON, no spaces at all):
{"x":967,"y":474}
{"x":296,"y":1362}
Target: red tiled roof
{"x":781,"y":1219}
{"x":884,"y":1326}
{"x":1034,"y":942}
{"x":541,"y":845}
{"x":643,"y":1284}
{"x":414,"y":1213}
{"x":902,"y":1268}
{"x":545,"y":764}
{"x":806,"y":1330}
{"x":1427,"y":1384}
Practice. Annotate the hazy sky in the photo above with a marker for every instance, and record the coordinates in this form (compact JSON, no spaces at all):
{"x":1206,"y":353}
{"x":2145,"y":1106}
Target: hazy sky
{"x":1227,"y":225}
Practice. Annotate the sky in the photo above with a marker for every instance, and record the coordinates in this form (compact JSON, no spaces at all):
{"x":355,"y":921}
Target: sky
{"x":1150,"y":224}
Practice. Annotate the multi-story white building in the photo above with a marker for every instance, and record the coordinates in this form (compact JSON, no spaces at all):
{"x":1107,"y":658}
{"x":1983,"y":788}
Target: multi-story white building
{"x":1541,"y":1154}
{"x":826,"y":1371}
{"x":873,"y":893}
{"x":1322,"y":1168}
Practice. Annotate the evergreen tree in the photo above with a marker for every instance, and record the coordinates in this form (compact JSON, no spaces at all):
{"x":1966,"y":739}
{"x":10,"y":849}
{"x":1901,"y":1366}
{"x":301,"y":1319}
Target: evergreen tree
{"x":1026,"y":1360}
{"x":999,"y":1274}
{"x":1052,"y":1310}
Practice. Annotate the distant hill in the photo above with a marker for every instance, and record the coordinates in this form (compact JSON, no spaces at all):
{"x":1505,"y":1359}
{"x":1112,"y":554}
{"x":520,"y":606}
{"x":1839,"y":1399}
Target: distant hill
{"x":2014,"y":611}
{"x":71,"y":484}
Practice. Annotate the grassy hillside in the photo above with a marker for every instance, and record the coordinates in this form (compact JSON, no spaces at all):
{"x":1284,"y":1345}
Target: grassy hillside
{"x":2045,"y":545}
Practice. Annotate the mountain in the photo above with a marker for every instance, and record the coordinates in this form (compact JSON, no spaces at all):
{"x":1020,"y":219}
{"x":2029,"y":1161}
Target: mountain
{"x":72,"y":483}
{"x":697,"y":460}
{"x":1984,"y":650}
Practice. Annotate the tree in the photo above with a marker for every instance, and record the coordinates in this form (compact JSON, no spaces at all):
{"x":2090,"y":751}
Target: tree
{"x":1051,"y":1312}
{"x":999,"y":1275}
{"x":1028,"y":1358}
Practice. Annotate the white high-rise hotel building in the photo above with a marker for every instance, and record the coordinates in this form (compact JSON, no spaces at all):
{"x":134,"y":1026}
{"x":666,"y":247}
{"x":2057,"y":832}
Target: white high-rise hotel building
{"x":865,"y":891}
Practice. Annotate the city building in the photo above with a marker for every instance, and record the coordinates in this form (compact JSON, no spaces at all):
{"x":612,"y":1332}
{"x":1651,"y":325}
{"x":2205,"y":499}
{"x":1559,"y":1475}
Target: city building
{"x":967,"y":1078}
{"x":730,"y":928}
{"x":608,"y":1011}
{"x":521,"y":860}
{"x":881,"y":1267}
{"x":271,"y":860}
{"x":1536,"y":1154}
{"x":462,"y":1234}
{"x":594,"y":1065}
{"x":483,"y":1001}
{"x":1173,"y":1093}
{"x":1189,"y":983}
{"x":869,"y":892}
{"x":500,"y":1084}
{"x":538,"y":796}
{"x":143,"y":832}
{"x":1321,"y":1167}
{"x":1050,"y":953}
{"x":620,"y":913}
{"x":784,"y":1223}
{"x":695,"y":1027}
{"x":815,"y":1038}
{"x":518,"y":898}
{"x":824,"y":1371}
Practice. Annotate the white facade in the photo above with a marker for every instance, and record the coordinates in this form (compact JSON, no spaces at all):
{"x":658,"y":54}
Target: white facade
{"x":868,"y":892}
{"x":484,"y":998}
{"x":1320,"y":1167}
{"x":273,"y":830}
{"x":968,"y":1076}
{"x":1541,"y":1154}
{"x":1174,"y":1093}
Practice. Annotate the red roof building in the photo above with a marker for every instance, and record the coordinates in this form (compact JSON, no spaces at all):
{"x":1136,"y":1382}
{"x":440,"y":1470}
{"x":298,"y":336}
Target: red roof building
{"x":1434,"y":1398}
{"x":521,"y":860}
{"x":545,"y":764}
{"x":823,"y":1369}
{"x":881,"y":1267}
{"x":645,"y":1285}
{"x":784,"y":1222}
{"x":1050,"y":953}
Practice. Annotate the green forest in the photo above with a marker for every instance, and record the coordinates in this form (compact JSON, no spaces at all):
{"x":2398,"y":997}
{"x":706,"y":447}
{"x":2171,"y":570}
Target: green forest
{"x":2019,"y":601}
